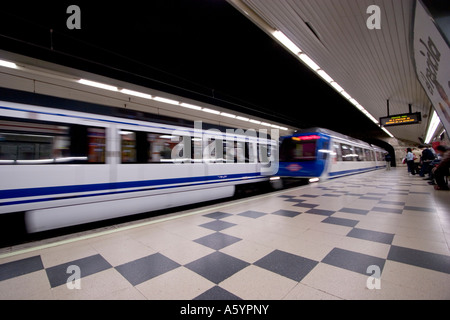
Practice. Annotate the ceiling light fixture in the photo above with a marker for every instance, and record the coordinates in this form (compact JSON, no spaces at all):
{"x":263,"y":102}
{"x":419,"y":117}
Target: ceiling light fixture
{"x":280,"y":36}
{"x":8,"y":64}
{"x":432,"y":128}
{"x":98,"y":85}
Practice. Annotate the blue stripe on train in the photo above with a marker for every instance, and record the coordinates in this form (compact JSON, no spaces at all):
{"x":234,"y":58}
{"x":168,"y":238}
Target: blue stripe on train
{"x":147,"y":184}
{"x":353,"y":171}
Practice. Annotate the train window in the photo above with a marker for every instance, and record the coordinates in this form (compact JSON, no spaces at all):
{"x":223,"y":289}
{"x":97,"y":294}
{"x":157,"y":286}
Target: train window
{"x":348,"y":153}
{"x":324,"y":150}
{"x":161,"y":147}
{"x":128,"y":143}
{"x":359,"y":154}
{"x":96,"y":145}
{"x":369,"y":155}
{"x":337,"y":150}
{"x":297,"y":150}
{"x":252,"y":150}
{"x":265,"y":152}
{"x":37,"y":142}
{"x":213,"y":150}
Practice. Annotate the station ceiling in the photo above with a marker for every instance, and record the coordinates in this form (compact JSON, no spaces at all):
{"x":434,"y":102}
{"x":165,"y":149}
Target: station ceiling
{"x":371,"y":65}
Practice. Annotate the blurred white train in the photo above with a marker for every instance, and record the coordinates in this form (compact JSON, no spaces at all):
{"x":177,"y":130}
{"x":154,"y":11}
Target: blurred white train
{"x":61,"y":167}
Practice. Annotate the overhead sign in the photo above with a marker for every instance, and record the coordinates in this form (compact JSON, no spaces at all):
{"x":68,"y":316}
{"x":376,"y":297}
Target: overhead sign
{"x":401,"y":119}
{"x":432,"y":57}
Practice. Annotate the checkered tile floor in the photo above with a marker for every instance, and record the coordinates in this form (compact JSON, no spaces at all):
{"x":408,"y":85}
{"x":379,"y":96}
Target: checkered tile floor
{"x":322,"y":241}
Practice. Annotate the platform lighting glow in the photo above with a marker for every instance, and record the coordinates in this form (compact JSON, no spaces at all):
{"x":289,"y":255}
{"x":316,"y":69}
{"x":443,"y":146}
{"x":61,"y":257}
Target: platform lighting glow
{"x":308,"y":61}
{"x":337,"y":86}
{"x":325,"y":76}
{"x":433,"y":126}
{"x":165,"y":100}
{"x":190,"y":106}
{"x":280,"y":36}
{"x":8,"y":64}
{"x":98,"y":85}
{"x":228,"y":115}
{"x":346,"y":95}
{"x":242,"y":118}
{"x":255,"y":121}
{"x":137,"y":94}
{"x":210,"y":111}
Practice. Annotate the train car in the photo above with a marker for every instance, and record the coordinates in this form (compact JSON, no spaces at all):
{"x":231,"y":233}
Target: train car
{"x":60,"y":166}
{"x":320,"y":154}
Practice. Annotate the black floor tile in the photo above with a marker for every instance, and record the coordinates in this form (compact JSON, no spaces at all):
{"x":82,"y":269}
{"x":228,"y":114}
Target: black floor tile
{"x":146,"y":268}
{"x":217,"y":293}
{"x":217,"y":266}
{"x":355,"y":211}
{"x":58,"y":275}
{"x":309,"y":195}
{"x":295,"y":200}
{"x":286,"y":264}
{"x":217,"y":225}
{"x":370,"y":235}
{"x":286,"y":213}
{"x":352,"y":261}
{"x":306,"y":205}
{"x":332,"y":195}
{"x":341,"y":221}
{"x":370,"y":198}
{"x":387,"y":210}
{"x":418,"y":258}
{"x":396,"y":203}
{"x":321,"y":212}
{"x":217,"y":215}
{"x":252,"y":214}
{"x":20,"y":267}
{"x":217,"y":240}
{"x":424,"y":209}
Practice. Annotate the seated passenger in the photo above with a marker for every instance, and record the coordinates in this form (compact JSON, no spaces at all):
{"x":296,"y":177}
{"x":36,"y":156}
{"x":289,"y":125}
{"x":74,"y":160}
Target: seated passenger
{"x":442,"y":169}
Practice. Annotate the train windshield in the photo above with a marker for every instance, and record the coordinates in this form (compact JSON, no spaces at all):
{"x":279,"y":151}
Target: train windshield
{"x":297,"y":149}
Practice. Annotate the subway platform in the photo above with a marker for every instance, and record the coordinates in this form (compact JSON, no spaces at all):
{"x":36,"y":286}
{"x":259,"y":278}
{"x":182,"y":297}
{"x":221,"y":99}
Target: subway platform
{"x":378,"y":235}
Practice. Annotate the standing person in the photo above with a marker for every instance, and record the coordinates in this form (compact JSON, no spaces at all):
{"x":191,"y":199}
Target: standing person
{"x":442,"y":169}
{"x":410,"y":161}
{"x":387,"y":158}
{"x":425,"y":160}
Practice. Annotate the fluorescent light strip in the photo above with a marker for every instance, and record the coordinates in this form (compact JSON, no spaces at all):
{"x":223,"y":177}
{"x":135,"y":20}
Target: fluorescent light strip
{"x":136,"y":94}
{"x":98,"y":85}
{"x":433,"y":126}
{"x":325,"y":76}
{"x":210,"y":111}
{"x":165,"y":100}
{"x":228,"y":115}
{"x":242,"y":118}
{"x":8,"y":64}
{"x":337,"y":86}
{"x":280,"y":36}
{"x":307,"y":60}
{"x":190,"y":106}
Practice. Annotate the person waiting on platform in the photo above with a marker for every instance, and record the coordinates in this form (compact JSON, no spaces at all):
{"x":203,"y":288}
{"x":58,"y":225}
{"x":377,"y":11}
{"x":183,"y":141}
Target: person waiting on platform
{"x":442,"y":169}
{"x":417,"y":154}
{"x":410,"y":161}
{"x":388,"y":158}
{"x":425,"y":160}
